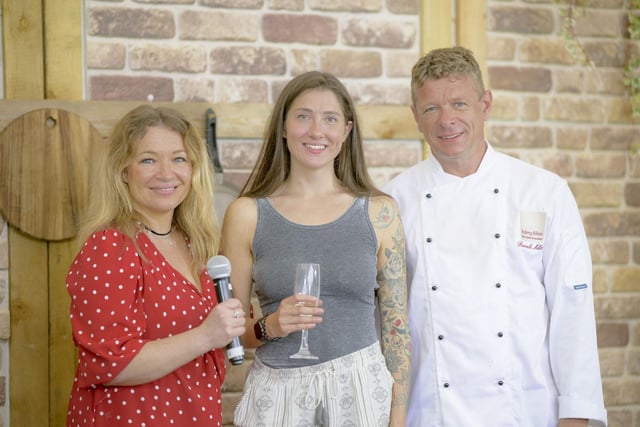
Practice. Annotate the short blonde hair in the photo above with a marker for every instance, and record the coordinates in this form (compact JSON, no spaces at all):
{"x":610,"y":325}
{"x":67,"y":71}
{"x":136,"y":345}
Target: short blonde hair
{"x":445,"y":62}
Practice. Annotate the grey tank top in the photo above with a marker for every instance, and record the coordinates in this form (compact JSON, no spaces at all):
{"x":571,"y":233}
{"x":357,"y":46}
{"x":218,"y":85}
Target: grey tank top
{"x":346,"y":251}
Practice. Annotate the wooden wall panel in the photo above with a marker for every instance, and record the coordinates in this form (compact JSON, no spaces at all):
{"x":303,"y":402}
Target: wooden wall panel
{"x":436,"y":24}
{"x":29,"y":302}
{"x":22,"y":32}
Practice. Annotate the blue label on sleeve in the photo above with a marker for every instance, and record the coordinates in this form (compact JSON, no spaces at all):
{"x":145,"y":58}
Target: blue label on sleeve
{"x":578,"y":287}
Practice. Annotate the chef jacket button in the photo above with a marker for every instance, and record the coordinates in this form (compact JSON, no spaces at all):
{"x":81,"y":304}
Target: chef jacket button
{"x":440,"y":337}
{"x":428,"y":195}
{"x":498,"y":285}
{"x":496,"y":190}
{"x":428,"y":239}
{"x":500,"y":334}
{"x":446,"y":385}
{"x":497,"y":235}
{"x":500,"y":382}
{"x":434,"y":288}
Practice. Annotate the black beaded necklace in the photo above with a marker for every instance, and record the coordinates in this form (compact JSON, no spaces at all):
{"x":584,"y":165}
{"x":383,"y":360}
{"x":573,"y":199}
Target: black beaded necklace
{"x":155,"y":233}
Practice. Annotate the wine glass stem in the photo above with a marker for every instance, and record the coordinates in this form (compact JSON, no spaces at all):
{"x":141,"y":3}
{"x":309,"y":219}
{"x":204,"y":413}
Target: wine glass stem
{"x":304,"y":342}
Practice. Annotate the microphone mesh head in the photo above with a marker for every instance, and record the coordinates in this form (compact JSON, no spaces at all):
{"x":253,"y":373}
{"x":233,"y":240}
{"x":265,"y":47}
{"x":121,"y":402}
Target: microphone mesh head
{"x":219,"y":266}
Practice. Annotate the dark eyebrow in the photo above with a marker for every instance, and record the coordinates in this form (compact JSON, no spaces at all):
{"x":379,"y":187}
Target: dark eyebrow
{"x":308,"y":110}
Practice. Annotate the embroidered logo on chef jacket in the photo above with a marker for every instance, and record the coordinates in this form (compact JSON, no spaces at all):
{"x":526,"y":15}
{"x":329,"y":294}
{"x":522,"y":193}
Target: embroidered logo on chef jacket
{"x":532,"y":230}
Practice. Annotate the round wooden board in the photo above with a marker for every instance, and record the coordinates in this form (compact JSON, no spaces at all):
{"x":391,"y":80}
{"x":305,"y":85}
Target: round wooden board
{"x":46,"y":157}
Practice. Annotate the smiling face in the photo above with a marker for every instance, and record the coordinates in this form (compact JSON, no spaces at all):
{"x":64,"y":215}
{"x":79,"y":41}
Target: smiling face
{"x":451,"y":117}
{"x":158,"y":175}
{"x":315,"y":128}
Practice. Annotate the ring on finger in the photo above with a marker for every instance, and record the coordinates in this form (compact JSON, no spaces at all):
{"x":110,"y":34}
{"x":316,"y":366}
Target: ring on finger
{"x":236,"y":314}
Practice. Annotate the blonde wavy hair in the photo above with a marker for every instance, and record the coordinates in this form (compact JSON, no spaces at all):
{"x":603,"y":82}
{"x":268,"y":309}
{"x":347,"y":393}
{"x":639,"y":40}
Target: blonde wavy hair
{"x":110,"y":203}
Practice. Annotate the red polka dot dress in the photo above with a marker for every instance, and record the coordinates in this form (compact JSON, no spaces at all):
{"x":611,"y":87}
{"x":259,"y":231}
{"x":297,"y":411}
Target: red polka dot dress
{"x":119,"y":302}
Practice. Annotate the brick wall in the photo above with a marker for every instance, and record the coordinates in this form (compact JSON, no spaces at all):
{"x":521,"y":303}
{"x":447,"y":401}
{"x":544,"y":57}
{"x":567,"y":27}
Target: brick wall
{"x":570,"y":119}
{"x":576,"y":121}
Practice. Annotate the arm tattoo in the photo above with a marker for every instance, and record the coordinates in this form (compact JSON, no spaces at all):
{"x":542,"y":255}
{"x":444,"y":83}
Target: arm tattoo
{"x":392,"y":300}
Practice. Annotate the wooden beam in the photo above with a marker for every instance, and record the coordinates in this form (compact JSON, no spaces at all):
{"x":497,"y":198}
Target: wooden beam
{"x":64,"y":79}
{"x":64,"y":69}
{"x":29,"y":362}
{"x":22,"y":32}
{"x":436,"y":31}
{"x":22,"y":36}
{"x":471,"y":30}
{"x":233,"y":120}
{"x":436,"y":24}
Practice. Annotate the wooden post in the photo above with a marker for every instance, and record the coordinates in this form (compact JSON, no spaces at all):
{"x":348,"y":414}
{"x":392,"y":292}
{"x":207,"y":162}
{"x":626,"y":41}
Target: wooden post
{"x":442,"y":26}
{"x":64,"y":73}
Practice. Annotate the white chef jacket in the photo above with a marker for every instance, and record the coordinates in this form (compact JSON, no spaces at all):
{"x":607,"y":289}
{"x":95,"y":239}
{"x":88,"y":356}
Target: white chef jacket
{"x":500,"y":297}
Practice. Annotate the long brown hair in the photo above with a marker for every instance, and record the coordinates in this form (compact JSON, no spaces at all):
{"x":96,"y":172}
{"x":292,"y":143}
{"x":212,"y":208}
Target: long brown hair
{"x":274,"y":162}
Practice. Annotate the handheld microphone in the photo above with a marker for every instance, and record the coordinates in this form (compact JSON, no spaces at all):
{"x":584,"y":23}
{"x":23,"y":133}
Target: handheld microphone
{"x":219,"y":269}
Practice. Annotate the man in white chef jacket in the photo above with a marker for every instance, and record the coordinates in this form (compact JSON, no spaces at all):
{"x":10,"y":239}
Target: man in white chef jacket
{"x":500,"y":304}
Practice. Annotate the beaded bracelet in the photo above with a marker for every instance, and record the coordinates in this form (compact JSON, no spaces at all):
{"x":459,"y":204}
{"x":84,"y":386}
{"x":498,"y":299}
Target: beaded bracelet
{"x":260,"y":331}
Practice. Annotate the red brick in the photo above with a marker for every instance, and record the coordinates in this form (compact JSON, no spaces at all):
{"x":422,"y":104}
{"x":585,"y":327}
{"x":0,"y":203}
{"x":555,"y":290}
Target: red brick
{"x":409,"y":7}
{"x":520,"y":136}
{"x":632,"y":194}
{"x":606,"y":54}
{"x":617,"y":307}
{"x":624,"y":391}
{"x":392,"y":153}
{"x":346,"y":5}
{"x":574,"y":109}
{"x":379,"y":33}
{"x":601,"y":166}
{"x":609,"y":251}
{"x":598,"y":23}
{"x":106,"y":55}
{"x":545,"y":51}
{"x":526,"y":79}
{"x":501,"y":48}
{"x":345,"y":63}
{"x":190,"y":90}
{"x":620,"y":417}
{"x":234,"y":4}
{"x":129,"y":88}
{"x":297,"y":5}
{"x":612,"y":224}
{"x":376,"y":94}
{"x":247,"y":60}
{"x":611,"y":361}
{"x":218,"y":25}
{"x":171,"y":59}
{"x":619,"y":138}
{"x":612,"y":334}
{"x":132,"y":23}
{"x":571,"y":137}
{"x":504,"y":107}
{"x":520,"y":20}
{"x":596,"y":194}
{"x":569,"y":80}
{"x":242,"y":90}
{"x":289,"y":28}
{"x":626,"y":279}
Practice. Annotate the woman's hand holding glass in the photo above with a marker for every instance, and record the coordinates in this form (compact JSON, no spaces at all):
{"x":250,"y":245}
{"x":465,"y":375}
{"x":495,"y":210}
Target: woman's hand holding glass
{"x":306,"y":284}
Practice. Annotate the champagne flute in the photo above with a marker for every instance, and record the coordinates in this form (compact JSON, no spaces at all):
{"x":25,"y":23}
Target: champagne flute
{"x":307,"y":281}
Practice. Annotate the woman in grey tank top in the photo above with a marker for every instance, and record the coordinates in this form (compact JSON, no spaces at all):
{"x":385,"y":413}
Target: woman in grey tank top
{"x":309,"y":198}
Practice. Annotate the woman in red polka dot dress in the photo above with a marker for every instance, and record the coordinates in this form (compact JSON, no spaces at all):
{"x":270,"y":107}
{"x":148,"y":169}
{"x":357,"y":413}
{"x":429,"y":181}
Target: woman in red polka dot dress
{"x":144,"y":312}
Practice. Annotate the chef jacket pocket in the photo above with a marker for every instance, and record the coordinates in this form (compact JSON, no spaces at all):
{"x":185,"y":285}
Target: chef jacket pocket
{"x":532,"y":226}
